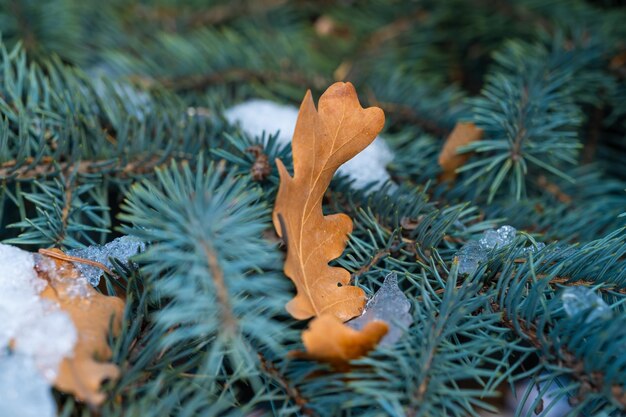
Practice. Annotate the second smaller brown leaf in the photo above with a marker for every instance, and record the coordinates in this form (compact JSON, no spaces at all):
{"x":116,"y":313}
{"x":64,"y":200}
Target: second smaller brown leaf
{"x":463,"y":134}
{"x":329,"y":340}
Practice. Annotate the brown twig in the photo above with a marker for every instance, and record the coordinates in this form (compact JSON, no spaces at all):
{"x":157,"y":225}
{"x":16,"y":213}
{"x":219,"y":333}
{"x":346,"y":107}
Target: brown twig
{"x":595,"y":127}
{"x":32,"y":169}
{"x":585,"y":283}
{"x":27,"y":35}
{"x":516,"y":150}
{"x":374,"y":42}
{"x":409,"y":114}
{"x":515,"y":12}
{"x":220,"y":288}
{"x":67,"y":205}
{"x":220,"y":13}
{"x":589,"y":381}
{"x":292,"y":391}
{"x":198,"y":82}
{"x":58,"y":254}
{"x":553,"y":189}
{"x":377,"y":257}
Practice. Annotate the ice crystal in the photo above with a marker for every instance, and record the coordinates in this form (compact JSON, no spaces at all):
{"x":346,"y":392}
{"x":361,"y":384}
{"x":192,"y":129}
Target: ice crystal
{"x":470,"y":255}
{"x":496,"y":238}
{"x":389,"y":304}
{"x":121,"y":249}
{"x":535,"y":248}
{"x":475,"y":252}
{"x":578,"y":300}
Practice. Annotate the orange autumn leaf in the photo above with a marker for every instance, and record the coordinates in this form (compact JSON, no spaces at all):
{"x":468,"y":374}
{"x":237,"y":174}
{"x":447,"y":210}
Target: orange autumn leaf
{"x":323,"y":140}
{"x":92,"y":313}
{"x":463,"y":134}
{"x":329,"y":340}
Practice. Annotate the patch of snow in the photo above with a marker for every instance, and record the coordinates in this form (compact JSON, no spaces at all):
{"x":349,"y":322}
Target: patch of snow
{"x":131,"y":99}
{"x":35,"y":336}
{"x":19,"y":289}
{"x":47,"y":338}
{"x":256,"y":116}
{"x":23,"y":390}
{"x":369,"y":166}
{"x":35,"y":327}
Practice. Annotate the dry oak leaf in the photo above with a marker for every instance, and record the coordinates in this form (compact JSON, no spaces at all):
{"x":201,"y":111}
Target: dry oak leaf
{"x":329,"y":340}
{"x":463,"y":134}
{"x":323,"y":140}
{"x":92,"y":313}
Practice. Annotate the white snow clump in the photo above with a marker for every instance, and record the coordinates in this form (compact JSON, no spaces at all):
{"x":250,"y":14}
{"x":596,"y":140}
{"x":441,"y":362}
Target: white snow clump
{"x":35,"y":335}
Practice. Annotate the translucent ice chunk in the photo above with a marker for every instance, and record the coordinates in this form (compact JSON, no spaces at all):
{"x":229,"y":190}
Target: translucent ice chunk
{"x":121,"y":249}
{"x":389,"y":304}
{"x":23,"y":391}
{"x":470,"y":255}
{"x":475,"y":252}
{"x":535,"y":248}
{"x":497,"y":238}
{"x":577,"y":300}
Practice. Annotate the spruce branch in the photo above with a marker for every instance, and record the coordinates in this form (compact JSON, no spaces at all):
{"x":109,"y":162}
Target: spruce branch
{"x":220,"y":286}
{"x":530,"y":115}
{"x":105,"y":108}
{"x":590,"y":382}
{"x":216,"y":285}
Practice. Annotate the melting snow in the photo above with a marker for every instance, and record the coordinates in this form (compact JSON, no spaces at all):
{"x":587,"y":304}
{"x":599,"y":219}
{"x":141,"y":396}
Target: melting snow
{"x":35,"y":335}
{"x":23,"y":390}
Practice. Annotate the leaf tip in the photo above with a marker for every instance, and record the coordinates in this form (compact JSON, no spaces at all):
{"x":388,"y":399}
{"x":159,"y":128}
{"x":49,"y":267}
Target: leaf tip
{"x":329,"y":340}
